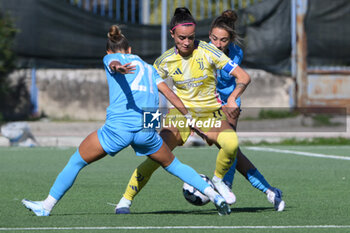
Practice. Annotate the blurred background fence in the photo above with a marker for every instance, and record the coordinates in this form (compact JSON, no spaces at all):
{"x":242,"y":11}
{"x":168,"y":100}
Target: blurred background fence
{"x":72,"y":33}
{"x":307,"y":40}
{"x":149,"y":11}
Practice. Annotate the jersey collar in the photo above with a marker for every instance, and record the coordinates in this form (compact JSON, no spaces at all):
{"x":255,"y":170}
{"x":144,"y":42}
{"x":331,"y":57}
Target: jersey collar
{"x":196,"y":43}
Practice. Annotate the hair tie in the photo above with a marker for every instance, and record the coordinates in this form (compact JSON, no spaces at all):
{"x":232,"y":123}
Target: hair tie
{"x":181,"y":24}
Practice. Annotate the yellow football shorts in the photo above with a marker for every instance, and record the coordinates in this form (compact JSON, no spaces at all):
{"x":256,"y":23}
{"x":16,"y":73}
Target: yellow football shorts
{"x":204,"y":121}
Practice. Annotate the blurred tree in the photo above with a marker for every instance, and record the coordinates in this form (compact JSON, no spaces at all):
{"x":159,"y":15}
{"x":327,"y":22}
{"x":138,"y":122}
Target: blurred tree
{"x":7,"y":58}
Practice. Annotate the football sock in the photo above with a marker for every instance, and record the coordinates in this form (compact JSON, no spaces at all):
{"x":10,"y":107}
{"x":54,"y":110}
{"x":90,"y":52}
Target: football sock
{"x":257,"y":180}
{"x":67,"y":176}
{"x":49,"y":203}
{"x":216,"y":179}
{"x":268,"y":191}
{"x":124,"y":203}
{"x":211,"y":193}
{"x":187,"y":174}
{"x":228,"y":142}
{"x":229,"y":176}
{"x":140,"y":178}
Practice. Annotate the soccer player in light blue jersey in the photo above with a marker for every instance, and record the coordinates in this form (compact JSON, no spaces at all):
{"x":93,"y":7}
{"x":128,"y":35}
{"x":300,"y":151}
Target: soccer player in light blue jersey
{"x":129,"y":96}
{"x":222,"y":34}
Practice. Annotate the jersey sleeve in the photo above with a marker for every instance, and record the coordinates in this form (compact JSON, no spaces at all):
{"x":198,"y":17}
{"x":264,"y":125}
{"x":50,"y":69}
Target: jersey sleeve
{"x":161,"y":66}
{"x":156,"y":76}
{"x":107,"y":60}
{"x":237,"y":54}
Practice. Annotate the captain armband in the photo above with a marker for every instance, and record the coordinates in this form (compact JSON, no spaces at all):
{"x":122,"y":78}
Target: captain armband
{"x":230,"y":66}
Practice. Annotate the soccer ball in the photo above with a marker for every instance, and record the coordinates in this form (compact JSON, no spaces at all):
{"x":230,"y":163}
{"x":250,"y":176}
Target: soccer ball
{"x":193,"y":196}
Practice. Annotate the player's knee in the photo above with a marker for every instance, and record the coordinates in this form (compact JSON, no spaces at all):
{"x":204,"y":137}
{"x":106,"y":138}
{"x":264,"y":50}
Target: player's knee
{"x":171,"y":137}
{"x":77,"y":160}
{"x":228,"y":141}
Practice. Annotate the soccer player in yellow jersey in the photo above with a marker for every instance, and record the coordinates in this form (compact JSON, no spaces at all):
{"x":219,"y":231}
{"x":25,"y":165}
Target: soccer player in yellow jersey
{"x":192,"y":66}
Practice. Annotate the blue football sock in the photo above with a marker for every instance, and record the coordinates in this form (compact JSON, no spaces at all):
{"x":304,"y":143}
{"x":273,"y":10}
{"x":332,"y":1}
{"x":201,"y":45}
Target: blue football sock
{"x":230,"y":175}
{"x":187,"y":174}
{"x":257,"y":180}
{"x":67,"y":176}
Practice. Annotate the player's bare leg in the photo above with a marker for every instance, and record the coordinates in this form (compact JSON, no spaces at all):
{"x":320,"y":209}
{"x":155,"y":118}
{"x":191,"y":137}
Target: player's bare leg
{"x":90,"y":150}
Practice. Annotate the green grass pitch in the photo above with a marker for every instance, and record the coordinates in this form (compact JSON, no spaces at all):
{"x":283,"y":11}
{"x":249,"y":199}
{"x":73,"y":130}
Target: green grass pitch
{"x":316,"y":191}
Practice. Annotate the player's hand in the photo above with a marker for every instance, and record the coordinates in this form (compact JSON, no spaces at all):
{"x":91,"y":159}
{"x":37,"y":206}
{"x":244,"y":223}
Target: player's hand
{"x":203,"y":135}
{"x":200,"y":133}
{"x":127,"y":68}
{"x":231,"y":110}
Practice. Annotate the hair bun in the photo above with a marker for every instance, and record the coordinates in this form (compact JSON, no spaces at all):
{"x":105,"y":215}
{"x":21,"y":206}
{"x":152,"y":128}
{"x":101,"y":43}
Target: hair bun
{"x":114,"y":32}
{"x":182,"y":11}
{"x":232,"y":15}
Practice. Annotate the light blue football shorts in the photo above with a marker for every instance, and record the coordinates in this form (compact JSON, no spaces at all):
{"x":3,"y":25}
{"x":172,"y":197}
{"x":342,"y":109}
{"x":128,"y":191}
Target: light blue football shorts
{"x":144,"y":142}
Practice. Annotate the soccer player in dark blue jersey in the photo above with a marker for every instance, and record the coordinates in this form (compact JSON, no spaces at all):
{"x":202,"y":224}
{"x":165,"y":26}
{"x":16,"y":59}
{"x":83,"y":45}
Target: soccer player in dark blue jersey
{"x":129,"y":96}
{"x":222,"y":34}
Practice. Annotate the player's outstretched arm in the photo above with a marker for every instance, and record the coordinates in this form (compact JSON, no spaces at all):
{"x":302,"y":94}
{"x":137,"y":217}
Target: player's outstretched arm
{"x":242,"y":80}
{"x":177,"y":102}
{"x":172,"y":97}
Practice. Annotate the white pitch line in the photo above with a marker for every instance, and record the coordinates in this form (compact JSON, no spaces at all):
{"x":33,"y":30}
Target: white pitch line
{"x":112,"y":204}
{"x":172,"y":227}
{"x":297,"y":153}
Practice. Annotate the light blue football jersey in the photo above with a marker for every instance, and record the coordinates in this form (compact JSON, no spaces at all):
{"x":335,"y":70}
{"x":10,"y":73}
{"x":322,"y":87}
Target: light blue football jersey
{"x":225,"y":82}
{"x":130,"y":94}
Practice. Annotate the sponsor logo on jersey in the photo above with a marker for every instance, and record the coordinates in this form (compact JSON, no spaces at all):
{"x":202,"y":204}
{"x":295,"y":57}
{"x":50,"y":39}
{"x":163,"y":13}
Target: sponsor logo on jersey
{"x":200,"y":63}
{"x":177,"y":71}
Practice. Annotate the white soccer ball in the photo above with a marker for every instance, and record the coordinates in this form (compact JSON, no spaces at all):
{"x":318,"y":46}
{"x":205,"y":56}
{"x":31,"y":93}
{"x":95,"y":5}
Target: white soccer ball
{"x":193,"y":196}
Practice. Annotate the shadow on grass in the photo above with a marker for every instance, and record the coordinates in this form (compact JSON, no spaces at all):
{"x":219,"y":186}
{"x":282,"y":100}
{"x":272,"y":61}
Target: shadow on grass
{"x":210,"y":212}
{"x":252,"y":209}
{"x":183,"y":212}
{"x":179,"y":212}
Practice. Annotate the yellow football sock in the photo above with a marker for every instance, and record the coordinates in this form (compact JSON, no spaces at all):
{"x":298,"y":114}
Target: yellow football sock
{"x":140,"y":178}
{"x":228,"y":142}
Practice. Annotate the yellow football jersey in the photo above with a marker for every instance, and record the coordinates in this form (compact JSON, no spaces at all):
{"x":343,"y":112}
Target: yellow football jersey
{"x":194,"y":77}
